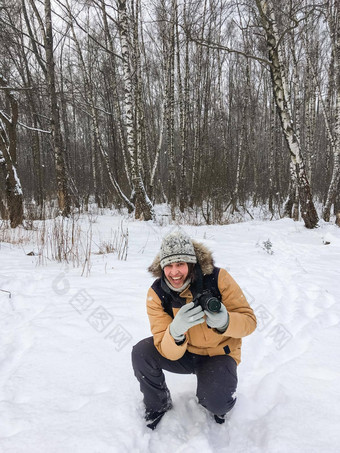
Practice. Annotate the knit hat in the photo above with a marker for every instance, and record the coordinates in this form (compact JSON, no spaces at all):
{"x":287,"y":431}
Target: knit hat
{"x":177,"y":247}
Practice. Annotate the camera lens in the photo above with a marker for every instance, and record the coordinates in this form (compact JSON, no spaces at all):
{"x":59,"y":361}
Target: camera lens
{"x":213,"y":305}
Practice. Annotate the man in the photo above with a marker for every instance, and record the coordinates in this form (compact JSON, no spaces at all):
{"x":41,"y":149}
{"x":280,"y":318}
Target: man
{"x":190,"y":336}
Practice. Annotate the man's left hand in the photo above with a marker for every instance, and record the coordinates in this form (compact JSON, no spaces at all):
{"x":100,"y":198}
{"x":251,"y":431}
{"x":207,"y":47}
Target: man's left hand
{"x":219,"y":321}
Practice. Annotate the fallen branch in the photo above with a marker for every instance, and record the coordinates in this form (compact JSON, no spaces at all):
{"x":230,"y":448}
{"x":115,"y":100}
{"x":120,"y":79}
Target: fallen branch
{"x":8,"y":292}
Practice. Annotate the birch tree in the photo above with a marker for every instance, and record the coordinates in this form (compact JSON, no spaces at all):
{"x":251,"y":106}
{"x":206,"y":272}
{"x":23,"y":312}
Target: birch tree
{"x":90,"y":99}
{"x":13,"y":44}
{"x":183,"y":102}
{"x":176,"y":96}
{"x":170,"y":105}
{"x":143,"y":205}
{"x":8,"y":154}
{"x":333,"y":17}
{"x":281,"y":96}
{"x":114,"y":86}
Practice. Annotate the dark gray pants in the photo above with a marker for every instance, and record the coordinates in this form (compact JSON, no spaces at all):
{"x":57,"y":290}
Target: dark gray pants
{"x":216,"y":377}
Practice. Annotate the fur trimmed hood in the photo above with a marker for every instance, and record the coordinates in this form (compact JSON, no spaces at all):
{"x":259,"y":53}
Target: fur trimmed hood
{"x":204,"y":259}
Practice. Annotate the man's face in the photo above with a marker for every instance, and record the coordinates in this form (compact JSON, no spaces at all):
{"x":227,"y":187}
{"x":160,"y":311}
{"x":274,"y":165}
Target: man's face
{"x":176,"y":273}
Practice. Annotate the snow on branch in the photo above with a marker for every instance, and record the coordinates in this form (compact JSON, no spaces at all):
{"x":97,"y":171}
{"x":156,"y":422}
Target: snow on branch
{"x":5,"y":117}
{"x":3,"y":80}
{"x":35,"y":129}
{"x":16,"y":88}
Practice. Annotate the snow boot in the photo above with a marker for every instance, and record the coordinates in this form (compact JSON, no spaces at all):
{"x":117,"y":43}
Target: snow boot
{"x":219,"y":419}
{"x":153,"y":417}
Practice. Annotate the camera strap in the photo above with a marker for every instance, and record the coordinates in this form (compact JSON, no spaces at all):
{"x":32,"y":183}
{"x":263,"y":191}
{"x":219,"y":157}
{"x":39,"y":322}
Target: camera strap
{"x":197,"y":286}
{"x":168,"y":297}
{"x":203,"y":283}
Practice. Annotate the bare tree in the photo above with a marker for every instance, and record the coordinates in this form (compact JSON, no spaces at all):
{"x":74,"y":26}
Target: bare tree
{"x":8,"y":154}
{"x":280,"y":89}
{"x":334,"y":26}
{"x":143,"y":205}
{"x":59,"y":152}
{"x":89,"y":96}
{"x":47,"y":65}
{"x":176,"y":97}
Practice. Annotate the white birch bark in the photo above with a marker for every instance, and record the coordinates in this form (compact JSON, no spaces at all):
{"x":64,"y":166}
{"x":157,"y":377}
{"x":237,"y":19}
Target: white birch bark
{"x":8,"y":144}
{"x":143,"y":205}
{"x":309,"y":119}
{"x":94,"y":116}
{"x":143,"y":157}
{"x":158,"y":148}
{"x":271,"y":156}
{"x":182,"y":110}
{"x":333,"y":19}
{"x":116,"y":103}
{"x":307,"y":208}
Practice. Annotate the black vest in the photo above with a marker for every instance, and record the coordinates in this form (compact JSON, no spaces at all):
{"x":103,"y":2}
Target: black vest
{"x":170,"y":298}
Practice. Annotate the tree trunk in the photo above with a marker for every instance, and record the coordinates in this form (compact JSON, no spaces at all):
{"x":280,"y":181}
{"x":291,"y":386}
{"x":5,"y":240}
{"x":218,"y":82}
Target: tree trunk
{"x":114,"y":85}
{"x":197,"y":118}
{"x":182,"y":100}
{"x":36,"y":150}
{"x":8,"y":144}
{"x":169,"y":47}
{"x":59,"y":152}
{"x":307,"y":208}
{"x":95,"y":131}
{"x":335,"y":40}
{"x":271,"y":157}
{"x":143,"y":205}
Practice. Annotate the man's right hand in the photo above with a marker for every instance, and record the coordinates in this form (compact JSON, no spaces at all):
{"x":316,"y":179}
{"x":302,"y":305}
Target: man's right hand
{"x":188,"y":316}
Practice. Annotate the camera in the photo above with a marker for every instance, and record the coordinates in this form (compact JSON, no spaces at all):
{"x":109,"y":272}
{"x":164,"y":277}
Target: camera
{"x":208,"y":302}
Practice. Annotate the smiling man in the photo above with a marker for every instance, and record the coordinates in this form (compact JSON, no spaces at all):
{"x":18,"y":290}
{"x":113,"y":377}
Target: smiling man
{"x":198,"y":315}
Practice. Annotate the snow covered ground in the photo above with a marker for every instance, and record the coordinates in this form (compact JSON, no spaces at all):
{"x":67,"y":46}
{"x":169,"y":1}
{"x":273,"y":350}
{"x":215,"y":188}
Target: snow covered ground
{"x":66,"y":383}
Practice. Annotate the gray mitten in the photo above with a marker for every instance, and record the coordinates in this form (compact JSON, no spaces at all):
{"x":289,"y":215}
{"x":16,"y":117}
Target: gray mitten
{"x":219,"y":320}
{"x":188,"y":316}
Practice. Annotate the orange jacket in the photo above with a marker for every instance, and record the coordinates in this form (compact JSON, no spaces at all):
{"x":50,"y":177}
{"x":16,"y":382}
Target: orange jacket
{"x":200,"y":339}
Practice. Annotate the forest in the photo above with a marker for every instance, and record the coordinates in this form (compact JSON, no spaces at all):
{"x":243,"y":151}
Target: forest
{"x":199,"y":104}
